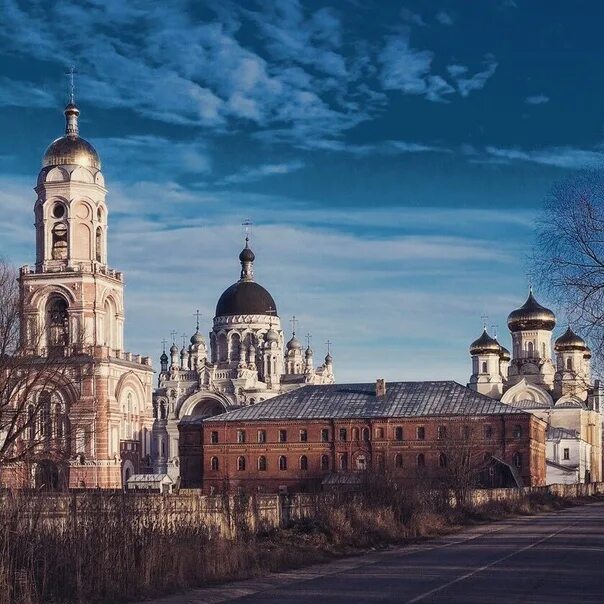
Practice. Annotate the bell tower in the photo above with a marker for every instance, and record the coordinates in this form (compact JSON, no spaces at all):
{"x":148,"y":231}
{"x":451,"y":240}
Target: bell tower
{"x":70,"y":297}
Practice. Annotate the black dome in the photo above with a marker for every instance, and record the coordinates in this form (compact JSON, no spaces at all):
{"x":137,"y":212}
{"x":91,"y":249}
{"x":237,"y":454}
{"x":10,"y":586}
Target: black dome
{"x":245,"y":298}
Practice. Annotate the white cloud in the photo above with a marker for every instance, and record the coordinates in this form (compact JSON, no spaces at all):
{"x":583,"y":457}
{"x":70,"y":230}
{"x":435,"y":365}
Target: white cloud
{"x":252,"y":174}
{"x":467,"y":85}
{"x":24,"y":94}
{"x":560,"y":157}
{"x":538,"y":99}
{"x":444,"y":18}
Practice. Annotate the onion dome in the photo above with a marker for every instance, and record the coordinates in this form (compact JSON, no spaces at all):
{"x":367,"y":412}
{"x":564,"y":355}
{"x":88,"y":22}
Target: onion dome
{"x":197,"y":339}
{"x":183,"y":352}
{"x":504,"y":354}
{"x":531,"y":315}
{"x":164,"y":357}
{"x":173,"y":349}
{"x":568,"y":341}
{"x":294,"y":343}
{"x":587,"y":353}
{"x":485,"y":345}
{"x":308,"y":352}
{"x":328,"y":359}
{"x":246,"y":297}
{"x":71,"y":148}
{"x":272,"y":335}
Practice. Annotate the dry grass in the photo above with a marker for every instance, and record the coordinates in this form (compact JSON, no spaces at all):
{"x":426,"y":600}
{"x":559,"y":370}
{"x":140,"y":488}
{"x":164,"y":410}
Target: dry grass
{"x":113,"y":553}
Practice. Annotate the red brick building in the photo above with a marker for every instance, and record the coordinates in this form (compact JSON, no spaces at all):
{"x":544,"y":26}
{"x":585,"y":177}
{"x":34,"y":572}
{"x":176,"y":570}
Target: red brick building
{"x":326,"y":435}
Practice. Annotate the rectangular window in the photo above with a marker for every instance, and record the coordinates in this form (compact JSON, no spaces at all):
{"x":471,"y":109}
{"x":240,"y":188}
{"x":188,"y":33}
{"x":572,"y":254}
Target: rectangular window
{"x":214,"y":437}
{"x":566,"y":453}
{"x":379,"y":432}
{"x":442,"y":432}
{"x":240,"y":436}
{"x":342,"y":433}
{"x":398,"y":433}
{"x":282,"y":436}
{"x":488,"y":431}
{"x":325,"y":435}
{"x":421,"y":433}
{"x":303,"y":436}
{"x":261,"y":436}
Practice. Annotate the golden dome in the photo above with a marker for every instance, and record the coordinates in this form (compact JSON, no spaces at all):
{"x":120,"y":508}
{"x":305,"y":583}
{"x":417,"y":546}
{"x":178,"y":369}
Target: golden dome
{"x":568,"y":341}
{"x":71,"y":148}
{"x":485,"y":345}
{"x":531,"y":315}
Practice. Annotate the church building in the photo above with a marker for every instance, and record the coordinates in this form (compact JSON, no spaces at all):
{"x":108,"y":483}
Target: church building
{"x":557,"y":389}
{"x":96,"y":416}
{"x":247,"y":362}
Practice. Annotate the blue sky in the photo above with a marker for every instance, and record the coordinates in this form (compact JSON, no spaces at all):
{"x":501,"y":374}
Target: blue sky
{"x":392,"y":155}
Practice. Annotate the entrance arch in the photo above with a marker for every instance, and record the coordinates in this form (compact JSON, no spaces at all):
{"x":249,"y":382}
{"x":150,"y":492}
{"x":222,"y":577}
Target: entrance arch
{"x":48,"y":476}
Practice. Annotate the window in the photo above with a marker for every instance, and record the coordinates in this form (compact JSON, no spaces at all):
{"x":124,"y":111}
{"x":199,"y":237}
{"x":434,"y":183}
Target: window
{"x":398,"y":461}
{"x":325,"y":435}
{"x":324,"y":462}
{"x":442,"y":460}
{"x":484,"y":367}
{"x":304,"y":463}
{"x":240,"y":436}
{"x":566,"y":453}
{"x":361,"y":462}
{"x":465,"y":432}
{"x":303,"y":436}
{"x":442,"y":432}
{"x":421,"y":433}
{"x":488,"y":431}
{"x":355,"y":434}
{"x":530,"y":349}
{"x":344,"y":461}
{"x":46,"y":421}
{"x":214,"y":437}
{"x":517,"y":460}
{"x":517,"y":432}
{"x":241,"y":464}
{"x":58,"y":323}
{"x":421,"y":460}
{"x":342,"y":433}
{"x":99,"y":244}
{"x":262,"y":463}
{"x":569,"y":364}
{"x":58,"y":210}
{"x":214,"y":464}
{"x":59,"y":242}
{"x":283,"y":462}
{"x":398,"y":433}
{"x":366,"y":434}
{"x":379,"y":432}
{"x":261,"y":436}
{"x":282,"y":436}
{"x":380,"y":462}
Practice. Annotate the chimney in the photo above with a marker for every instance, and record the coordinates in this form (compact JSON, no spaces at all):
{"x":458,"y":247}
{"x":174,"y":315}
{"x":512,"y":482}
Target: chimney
{"x":380,"y":387}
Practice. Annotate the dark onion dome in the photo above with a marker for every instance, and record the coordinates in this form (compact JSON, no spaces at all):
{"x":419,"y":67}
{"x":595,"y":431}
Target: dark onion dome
{"x":272,"y":335}
{"x":568,"y":341}
{"x":164,"y":357}
{"x":504,"y":353}
{"x":294,"y":343}
{"x":328,"y":359}
{"x":245,"y":298}
{"x":174,"y":349}
{"x":246,"y":254}
{"x":308,"y":352}
{"x":531,"y":315}
{"x":485,"y":345}
{"x":71,"y":148}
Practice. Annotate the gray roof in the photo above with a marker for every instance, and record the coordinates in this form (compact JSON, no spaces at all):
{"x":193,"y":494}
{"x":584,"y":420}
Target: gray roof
{"x":342,"y":401}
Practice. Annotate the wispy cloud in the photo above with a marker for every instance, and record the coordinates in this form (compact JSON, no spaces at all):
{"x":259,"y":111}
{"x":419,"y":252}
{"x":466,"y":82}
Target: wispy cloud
{"x":537,"y":99}
{"x":444,"y":18}
{"x":252,"y":174}
{"x":15,"y":93}
{"x":560,"y":157}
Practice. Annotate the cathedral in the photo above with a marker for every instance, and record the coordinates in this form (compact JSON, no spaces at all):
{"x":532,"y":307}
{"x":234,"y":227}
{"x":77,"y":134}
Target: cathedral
{"x":247,"y":363}
{"x":556,"y":389}
{"x":93,"y":417}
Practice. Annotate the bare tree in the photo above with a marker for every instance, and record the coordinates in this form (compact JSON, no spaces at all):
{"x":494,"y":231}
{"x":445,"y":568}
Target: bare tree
{"x":568,"y":260}
{"x":34,"y":426}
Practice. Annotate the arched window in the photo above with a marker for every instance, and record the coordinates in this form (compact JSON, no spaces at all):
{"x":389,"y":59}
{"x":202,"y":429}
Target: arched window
{"x":58,"y":421}
{"x":365,"y":434}
{"x":214,"y":464}
{"x":31,"y":422}
{"x":398,"y":433}
{"x":355,"y":434}
{"x":379,"y":433}
{"x":235,"y":348}
{"x":517,"y":433}
{"x":241,"y":464}
{"x":324,"y":462}
{"x":283,"y":462}
{"x":59,"y":241}
{"x":442,"y":432}
{"x":99,"y":244}
{"x":57,"y":324}
{"x":442,"y":460}
{"x":569,"y":364}
{"x":421,"y":461}
{"x":517,"y":459}
{"x":344,"y":461}
{"x":45,"y":414}
{"x":361,"y":462}
{"x":484,"y":367}
{"x":262,"y":463}
{"x":303,"y":463}
{"x":398,"y":461}
{"x":530,"y":347}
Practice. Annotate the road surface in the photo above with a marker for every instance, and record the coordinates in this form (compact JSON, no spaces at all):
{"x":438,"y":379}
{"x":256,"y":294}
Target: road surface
{"x":551,"y":558}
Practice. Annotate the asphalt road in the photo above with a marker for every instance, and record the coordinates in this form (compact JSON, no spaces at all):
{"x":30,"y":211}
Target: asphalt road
{"x":550,"y":558}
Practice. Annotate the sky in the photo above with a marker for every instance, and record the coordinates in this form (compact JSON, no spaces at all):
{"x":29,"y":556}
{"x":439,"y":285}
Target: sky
{"x":393,"y":157}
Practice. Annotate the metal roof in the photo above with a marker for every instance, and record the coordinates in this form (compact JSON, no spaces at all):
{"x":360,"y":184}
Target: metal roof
{"x":349,"y":401}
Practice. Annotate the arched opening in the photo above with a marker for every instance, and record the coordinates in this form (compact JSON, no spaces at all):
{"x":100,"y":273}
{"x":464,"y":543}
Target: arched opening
{"x":222,"y":347}
{"x":361,"y":462}
{"x":206,"y":407}
{"x":57,"y":321}
{"x":99,"y":244}
{"x":59,"y":241}
{"x":569,"y":364}
{"x":110,"y":336}
{"x":283,"y":462}
{"x":235,"y":348}
{"x":303,"y":463}
{"x":484,"y":367}
{"x":48,"y":476}
{"x":262,"y":463}
{"x":45,"y":415}
{"x":530,"y":348}
{"x":214,"y":464}
{"x":324,"y":462}
{"x":398,"y":461}
{"x":241,"y":464}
